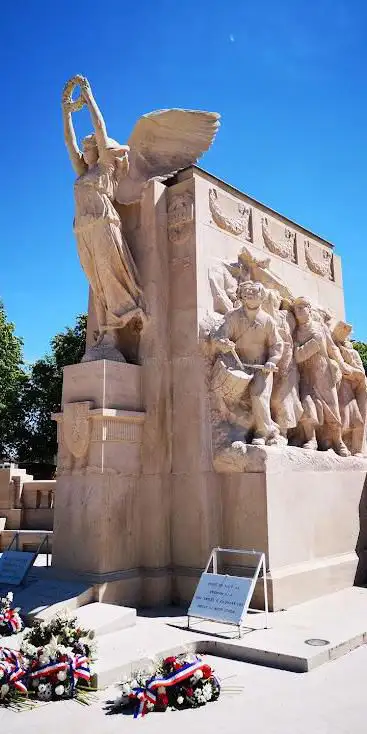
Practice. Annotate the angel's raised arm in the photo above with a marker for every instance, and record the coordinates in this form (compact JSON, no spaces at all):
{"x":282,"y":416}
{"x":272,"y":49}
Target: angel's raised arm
{"x":71,"y":143}
{"x":96,"y":115}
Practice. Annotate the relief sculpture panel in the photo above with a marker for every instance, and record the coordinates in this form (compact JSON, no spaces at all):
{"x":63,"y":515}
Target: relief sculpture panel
{"x":278,"y":239}
{"x":232,"y":216}
{"x":319,"y":260}
{"x":278,"y":374}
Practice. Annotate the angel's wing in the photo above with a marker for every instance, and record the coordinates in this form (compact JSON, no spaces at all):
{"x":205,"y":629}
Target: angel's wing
{"x":164,"y":142}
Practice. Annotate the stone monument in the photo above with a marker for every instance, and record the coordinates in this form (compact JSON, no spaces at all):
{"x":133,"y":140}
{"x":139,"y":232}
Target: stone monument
{"x":219,"y":401}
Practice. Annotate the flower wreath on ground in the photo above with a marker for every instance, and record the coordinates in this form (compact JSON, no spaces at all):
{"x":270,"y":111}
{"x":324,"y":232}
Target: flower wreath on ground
{"x":59,"y":655}
{"x":10,"y":619}
{"x":54,"y":662}
{"x":13,"y":672}
{"x":185,"y":681}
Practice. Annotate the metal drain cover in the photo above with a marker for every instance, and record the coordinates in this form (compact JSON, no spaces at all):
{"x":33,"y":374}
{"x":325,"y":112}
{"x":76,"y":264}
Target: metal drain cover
{"x":317,"y":642}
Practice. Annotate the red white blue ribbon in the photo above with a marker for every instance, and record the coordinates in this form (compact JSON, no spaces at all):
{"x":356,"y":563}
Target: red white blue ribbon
{"x":77,"y":665}
{"x":147,"y":695}
{"x":11,"y":663}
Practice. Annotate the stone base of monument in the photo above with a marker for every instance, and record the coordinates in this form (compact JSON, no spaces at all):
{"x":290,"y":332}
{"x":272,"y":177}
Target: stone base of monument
{"x":304,"y":510}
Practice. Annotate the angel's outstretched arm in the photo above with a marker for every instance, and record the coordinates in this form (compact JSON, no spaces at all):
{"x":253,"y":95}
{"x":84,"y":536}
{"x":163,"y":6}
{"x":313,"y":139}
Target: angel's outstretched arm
{"x":71,"y":143}
{"x":96,"y":115}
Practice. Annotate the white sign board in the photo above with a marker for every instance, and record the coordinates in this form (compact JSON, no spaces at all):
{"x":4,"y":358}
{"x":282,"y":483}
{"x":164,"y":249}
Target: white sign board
{"x":221,"y":598}
{"x":14,"y":565}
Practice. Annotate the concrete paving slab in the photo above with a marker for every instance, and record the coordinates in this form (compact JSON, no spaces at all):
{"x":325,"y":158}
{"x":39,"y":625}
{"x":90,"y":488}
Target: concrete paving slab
{"x":340,"y":620}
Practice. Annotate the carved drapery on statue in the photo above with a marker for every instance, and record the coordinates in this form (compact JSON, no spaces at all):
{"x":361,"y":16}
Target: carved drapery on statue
{"x":314,"y":395}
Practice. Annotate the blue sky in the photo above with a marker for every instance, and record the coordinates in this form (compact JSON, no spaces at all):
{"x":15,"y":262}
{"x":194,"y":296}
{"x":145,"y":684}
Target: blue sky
{"x":289,"y":78}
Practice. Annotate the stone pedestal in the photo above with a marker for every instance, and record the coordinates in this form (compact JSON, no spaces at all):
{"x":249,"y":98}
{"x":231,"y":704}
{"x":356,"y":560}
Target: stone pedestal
{"x":97,"y":524}
{"x":112,"y":505}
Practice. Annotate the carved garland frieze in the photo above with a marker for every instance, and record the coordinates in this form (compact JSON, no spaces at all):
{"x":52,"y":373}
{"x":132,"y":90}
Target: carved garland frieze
{"x":321,"y":266}
{"x":286,"y":248}
{"x":238,"y":224}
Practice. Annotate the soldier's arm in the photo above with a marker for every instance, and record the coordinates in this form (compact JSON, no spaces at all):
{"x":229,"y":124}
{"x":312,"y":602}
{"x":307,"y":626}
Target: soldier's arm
{"x":275,"y":344}
{"x":224,"y":337}
{"x":307,"y":350}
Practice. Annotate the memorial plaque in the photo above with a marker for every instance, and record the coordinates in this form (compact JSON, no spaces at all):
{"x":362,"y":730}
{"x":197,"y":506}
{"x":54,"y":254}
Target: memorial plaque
{"x":14,"y":566}
{"x":221,"y":598}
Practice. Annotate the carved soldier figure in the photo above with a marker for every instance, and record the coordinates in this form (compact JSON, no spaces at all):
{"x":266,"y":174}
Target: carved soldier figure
{"x":252,"y":347}
{"x":352,"y":391}
{"x":286,"y":407}
{"x":321,"y":368}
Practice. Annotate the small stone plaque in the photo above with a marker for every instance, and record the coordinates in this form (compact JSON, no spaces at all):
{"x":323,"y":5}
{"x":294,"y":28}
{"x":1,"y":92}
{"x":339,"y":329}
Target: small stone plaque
{"x":221,"y":598}
{"x":14,"y":566}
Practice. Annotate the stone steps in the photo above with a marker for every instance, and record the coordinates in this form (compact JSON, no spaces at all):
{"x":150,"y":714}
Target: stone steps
{"x":106,"y":619}
{"x":28,"y":540}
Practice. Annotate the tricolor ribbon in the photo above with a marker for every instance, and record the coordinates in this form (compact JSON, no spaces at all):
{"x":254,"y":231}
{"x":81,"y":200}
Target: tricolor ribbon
{"x":11,"y":663}
{"x":147,"y":694}
{"x":77,"y":665}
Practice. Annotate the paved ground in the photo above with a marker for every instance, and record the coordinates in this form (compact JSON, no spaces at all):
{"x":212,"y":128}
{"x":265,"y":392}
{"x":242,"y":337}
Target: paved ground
{"x":329,"y":699}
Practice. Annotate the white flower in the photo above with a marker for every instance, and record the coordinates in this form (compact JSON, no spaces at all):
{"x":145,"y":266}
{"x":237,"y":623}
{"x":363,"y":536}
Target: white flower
{"x":62,"y":675}
{"x":134,"y":683}
{"x":44,"y":659}
{"x":41,"y":687}
{"x":10,"y":596}
{"x":126,"y":689}
{"x":180,"y":700}
{"x":59,"y":690}
{"x":161,"y":690}
{"x":150,"y":706}
{"x":1,"y":674}
{"x":4,"y":690}
{"x":198,"y":694}
{"x":207,"y":691}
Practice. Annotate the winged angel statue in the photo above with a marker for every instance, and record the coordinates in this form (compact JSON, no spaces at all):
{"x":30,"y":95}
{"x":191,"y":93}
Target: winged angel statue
{"x":160,"y":144}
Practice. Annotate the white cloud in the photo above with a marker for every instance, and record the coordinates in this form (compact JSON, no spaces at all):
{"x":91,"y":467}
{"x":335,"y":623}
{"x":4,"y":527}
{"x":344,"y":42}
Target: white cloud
{"x":231,"y":38}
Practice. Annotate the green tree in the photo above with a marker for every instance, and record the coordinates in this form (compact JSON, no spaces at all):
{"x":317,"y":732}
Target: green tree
{"x":361,"y":348}
{"x":42,"y":394}
{"x":13,"y":377}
